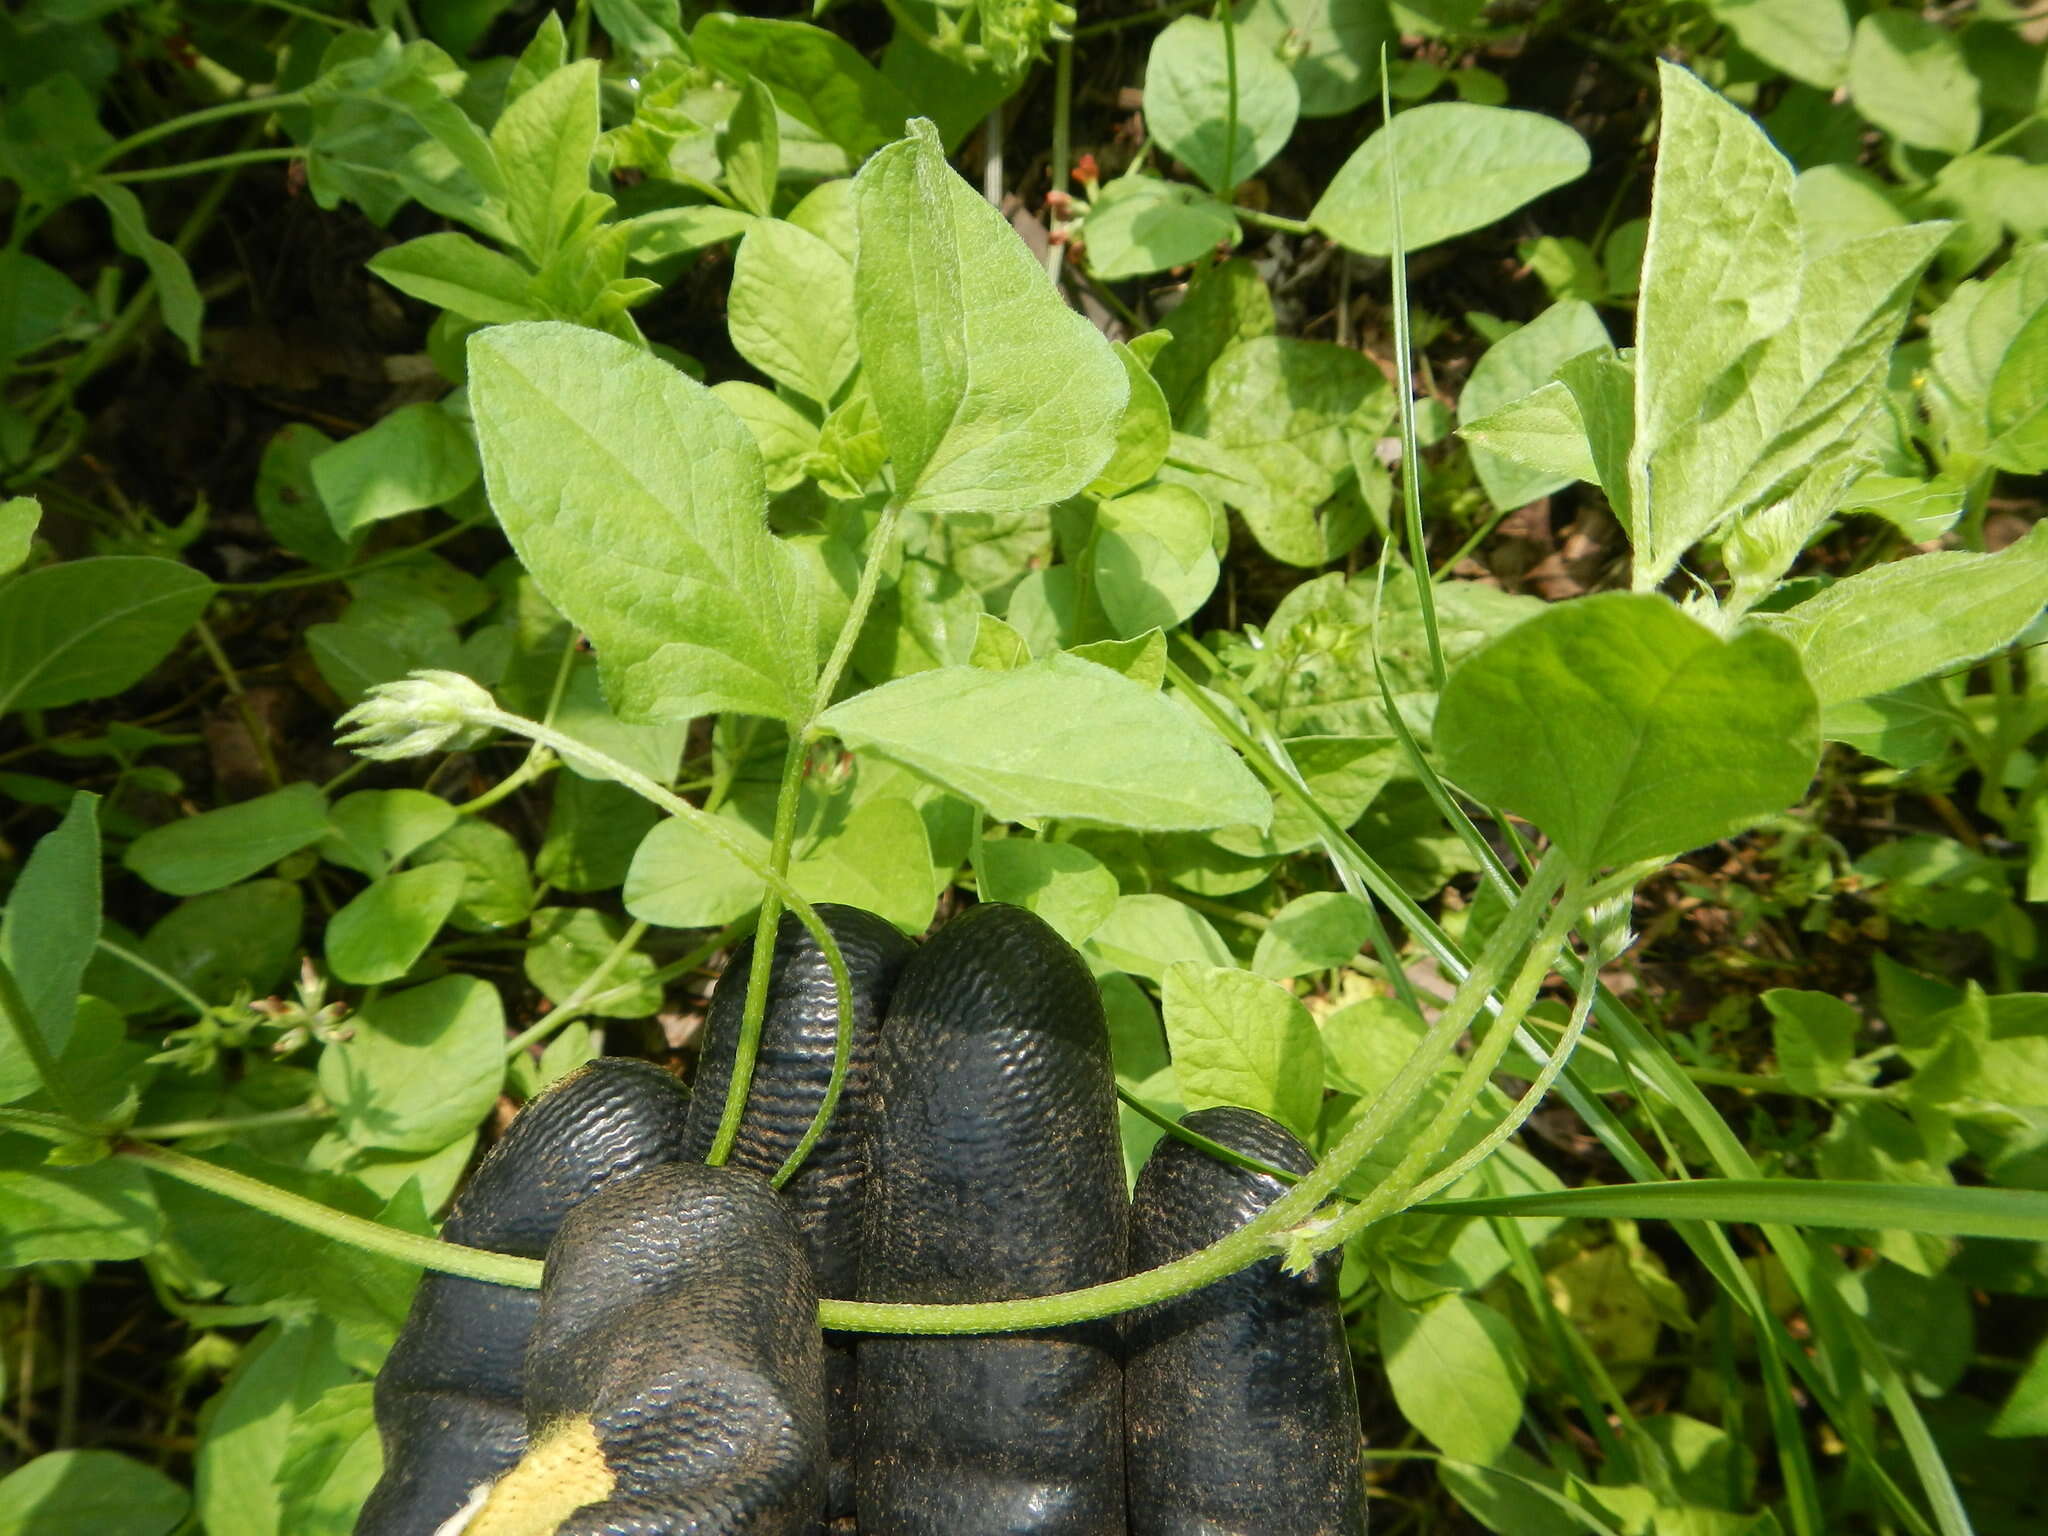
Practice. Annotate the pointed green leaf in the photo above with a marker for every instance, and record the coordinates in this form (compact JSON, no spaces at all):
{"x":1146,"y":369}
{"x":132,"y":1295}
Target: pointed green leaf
{"x":1625,"y":729}
{"x":992,"y":393}
{"x":217,"y":848}
{"x":653,"y":542}
{"x":87,"y":629}
{"x":1461,"y":167}
{"x":1060,"y":737}
{"x":1240,"y":1039}
{"x":48,"y":931}
{"x":1190,"y":111}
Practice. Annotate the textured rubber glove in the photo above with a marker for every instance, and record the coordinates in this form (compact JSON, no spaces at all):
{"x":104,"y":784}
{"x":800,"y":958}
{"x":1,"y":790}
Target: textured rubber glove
{"x":995,"y":1174}
{"x":793,"y":1069}
{"x":450,"y":1400}
{"x":1240,"y":1412}
{"x":675,"y":1382}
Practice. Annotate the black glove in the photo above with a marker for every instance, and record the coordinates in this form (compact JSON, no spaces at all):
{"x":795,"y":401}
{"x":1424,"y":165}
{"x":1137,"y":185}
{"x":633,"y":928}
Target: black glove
{"x":666,"y":1386}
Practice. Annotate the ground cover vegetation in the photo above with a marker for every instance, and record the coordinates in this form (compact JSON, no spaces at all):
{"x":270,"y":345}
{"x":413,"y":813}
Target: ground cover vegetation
{"x":1497,"y":599}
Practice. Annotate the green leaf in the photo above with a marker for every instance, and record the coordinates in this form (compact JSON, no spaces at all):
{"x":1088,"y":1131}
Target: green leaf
{"x":879,"y":859}
{"x":1972,"y":336}
{"x":1142,"y":437}
{"x":454,"y":272}
{"x":1140,"y":224}
{"x":651,"y":542}
{"x":420,"y":1068}
{"x":281,"y":1371}
{"x":1515,"y":369}
{"x":992,"y":393}
{"x":331,"y":1460}
{"x":787,"y":438}
{"x":38,"y":305}
{"x":19,"y":517}
{"x":1457,"y":1371}
{"x":289,"y":502}
{"x":217,"y":848}
{"x":1153,"y":559}
{"x":1292,"y":408}
{"x":384,"y":929}
{"x":48,"y":932}
{"x":385,"y":131}
{"x":376,"y":830}
{"x":791,"y":309}
{"x":750,"y":149}
{"x":1190,"y":111}
{"x":415,"y":457}
{"x":1240,"y":1039}
{"x":497,"y":889}
{"x":1883,"y":628}
{"x":543,"y":143}
{"x":1145,"y":935}
{"x":1625,"y":730}
{"x":817,"y":78}
{"x":1720,"y":270}
{"x":88,"y":629}
{"x":567,"y":946}
{"x":1065,"y":885}
{"x":1909,"y":77}
{"x":652,"y":29}
{"x":1343,"y":773}
{"x":680,"y":878}
{"x":1061,"y":737}
{"x":1316,"y":932}
{"x":1331,"y":47}
{"x":105,"y":1210}
{"x":1461,"y":168}
{"x":1807,"y":39}
{"x":1539,"y":439}
{"x":1813,"y":1034}
{"x":593,"y":828}
{"x":246,"y":936}
{"x":177,"y":295}
{"x":104,"y":1492}
{"x":2025,"y":1413}
{"x":1226,"y":304}
{"x":2017,"y":408}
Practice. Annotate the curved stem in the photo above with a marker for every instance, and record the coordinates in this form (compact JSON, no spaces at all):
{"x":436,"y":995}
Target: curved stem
{"x":175,"y":1130}
{"x":760,"y":973}
{"x":373,"y":1237}
{"x":199,"y":119}
{"x":884,"y":541}
{"x":157,"y":974}
{"x":828,"y":682}
{"x":213,"y":163}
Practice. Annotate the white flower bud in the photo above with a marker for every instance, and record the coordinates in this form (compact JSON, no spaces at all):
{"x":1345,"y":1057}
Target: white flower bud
{"x":430,"y":711}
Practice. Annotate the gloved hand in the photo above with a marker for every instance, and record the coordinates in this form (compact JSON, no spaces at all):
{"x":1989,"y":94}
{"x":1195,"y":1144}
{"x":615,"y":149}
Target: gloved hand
{"x":671,"y":1372}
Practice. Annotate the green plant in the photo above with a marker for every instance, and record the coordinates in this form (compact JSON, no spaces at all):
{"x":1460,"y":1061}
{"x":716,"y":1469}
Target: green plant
{"x":994,"y":634}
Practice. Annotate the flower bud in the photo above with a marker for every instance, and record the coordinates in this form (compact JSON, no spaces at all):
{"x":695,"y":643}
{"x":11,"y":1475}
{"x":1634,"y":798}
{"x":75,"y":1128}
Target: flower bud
{"x":430,"y":711}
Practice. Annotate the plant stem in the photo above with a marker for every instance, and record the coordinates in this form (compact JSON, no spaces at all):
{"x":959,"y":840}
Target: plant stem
{"x":1273,"y":220}
{"x":760,"y":974}
{"x":161,"y":977}
{"x":884,"y":541}
{"x":1261,"y":1237}
{"x":372,"y":1237}
{"x":227,"y":109}
{"x":177,"y":1130}
{"x":572,"y":1008}
{"x":213,"y":163}
{"x":348,"y":573}
{"x":711,"y":827}
{"x":1226,"y":13}
{"x":1062,"y":149}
